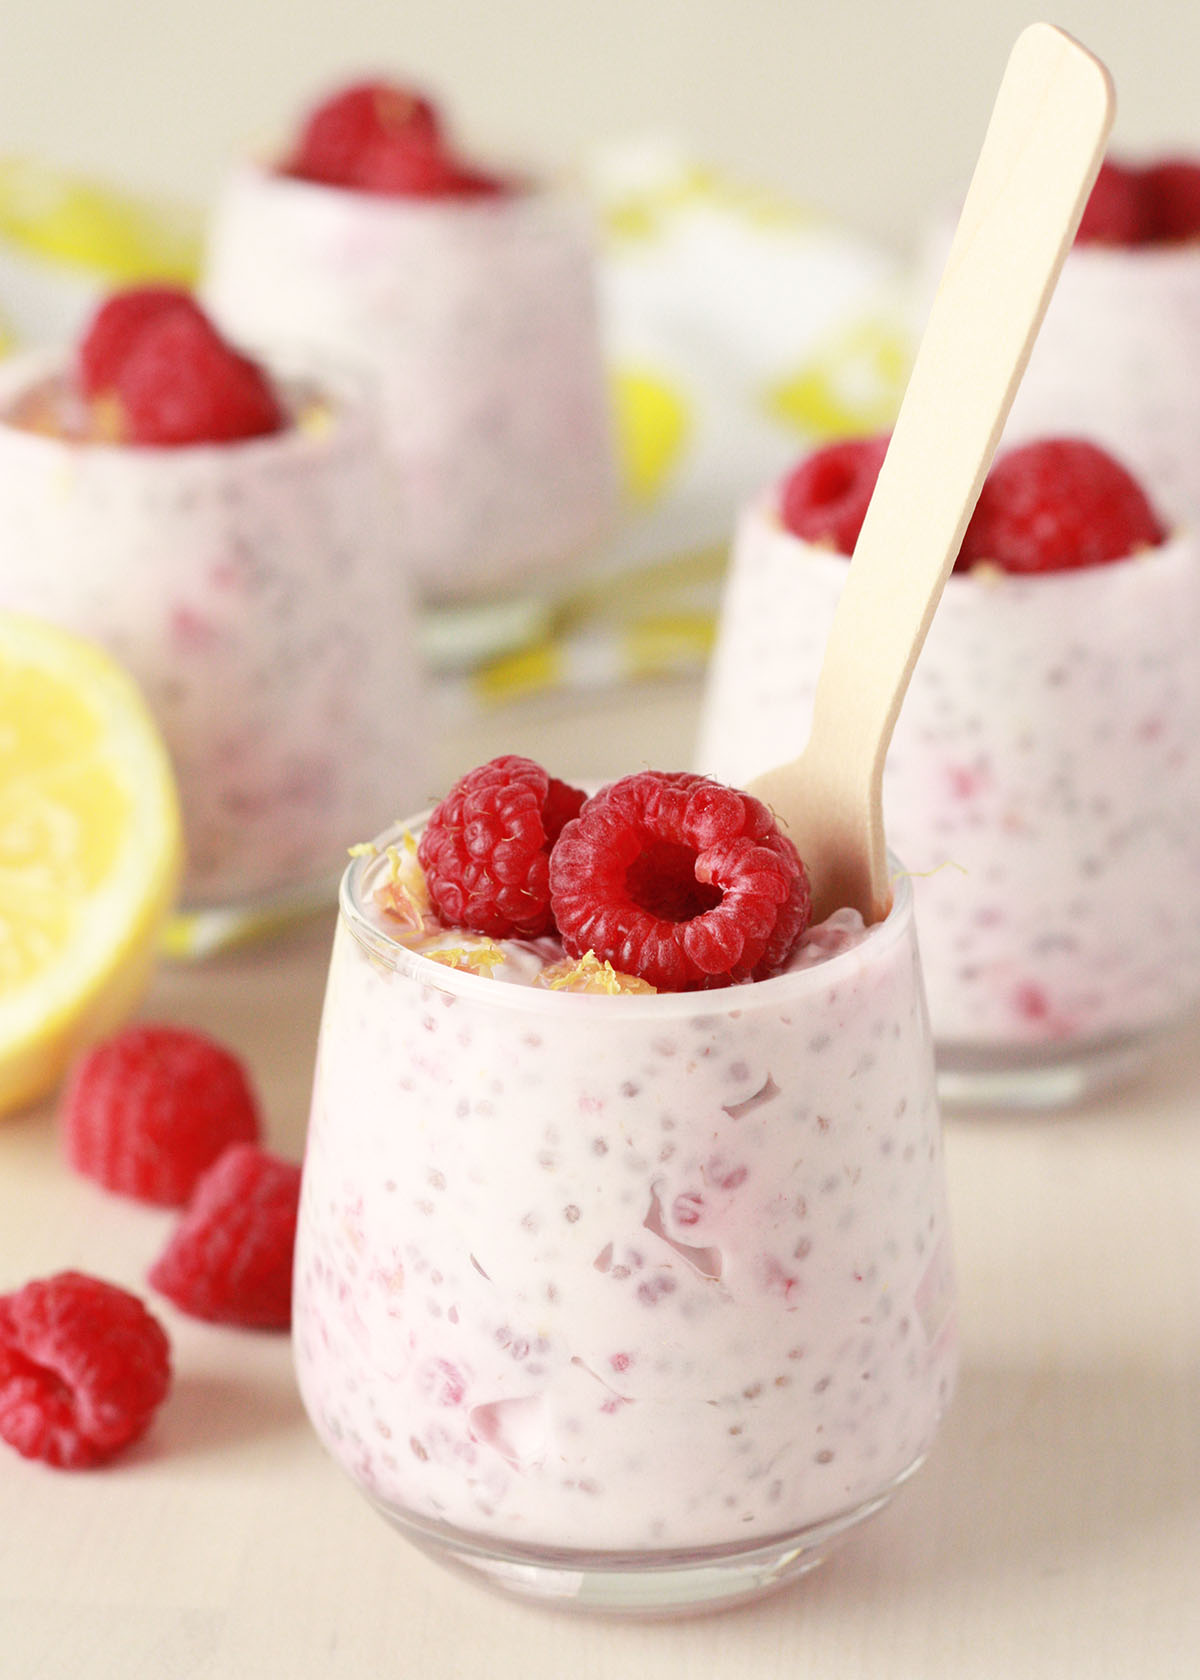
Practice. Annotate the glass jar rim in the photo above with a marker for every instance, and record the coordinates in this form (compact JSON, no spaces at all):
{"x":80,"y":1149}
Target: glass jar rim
{"x":382,"y":947}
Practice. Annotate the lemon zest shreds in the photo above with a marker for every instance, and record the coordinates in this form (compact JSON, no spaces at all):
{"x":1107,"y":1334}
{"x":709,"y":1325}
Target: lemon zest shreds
{"x":403,"y":896}
{"x":589,"y":974}
{"x":475,"y":959}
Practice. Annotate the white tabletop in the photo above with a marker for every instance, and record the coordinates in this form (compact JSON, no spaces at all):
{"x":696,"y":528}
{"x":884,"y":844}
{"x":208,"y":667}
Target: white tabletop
{"x":1055,"y":1530}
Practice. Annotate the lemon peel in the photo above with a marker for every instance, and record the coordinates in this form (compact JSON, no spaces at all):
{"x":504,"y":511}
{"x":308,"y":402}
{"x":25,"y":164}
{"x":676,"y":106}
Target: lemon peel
{"x":90,"y":851}
{"x":589,"y":974}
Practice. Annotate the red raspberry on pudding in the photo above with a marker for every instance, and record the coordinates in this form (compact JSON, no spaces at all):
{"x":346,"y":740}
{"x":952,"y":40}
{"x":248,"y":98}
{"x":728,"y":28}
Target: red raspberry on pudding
{"x":158,"y":373}
{"x":679,"y":880}
{"x":376,"y":136}
{"x":116,"y":327}
{"x":1152,"y":204}
{"x":824,"y":499}
{"x":146,"y":1112}
{"x":83,"y":1368}
{"x":1055,"y":505}
{"x":1173,"y":188}
{"x":229,"y":1259}
{"x":337,"y":134}
{"x":1116,"y":212}
{"x":486,"y":848}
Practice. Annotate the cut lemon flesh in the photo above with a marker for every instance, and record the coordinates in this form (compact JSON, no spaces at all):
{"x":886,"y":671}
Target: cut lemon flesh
{"x":90,"y":851}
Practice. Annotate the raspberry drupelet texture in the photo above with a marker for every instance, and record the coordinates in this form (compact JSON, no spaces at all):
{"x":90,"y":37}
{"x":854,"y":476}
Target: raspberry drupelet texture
{"x":824,"y":499}
{"x":1057,"y":504}
{"x":83,"y":1368}
{"x":679,"y":880}
{"x":486,"y":848}
{"x":146,"y":1112}
{"x":230,"y":1257}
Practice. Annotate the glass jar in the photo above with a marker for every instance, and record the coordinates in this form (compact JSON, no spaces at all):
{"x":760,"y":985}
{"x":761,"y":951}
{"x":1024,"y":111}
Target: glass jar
{"x":631,"y":1303}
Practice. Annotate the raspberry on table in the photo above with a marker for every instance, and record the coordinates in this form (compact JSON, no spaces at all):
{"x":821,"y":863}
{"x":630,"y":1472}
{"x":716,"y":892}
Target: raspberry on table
{"x":147,"y":1111}
{"x":824,"y":499}
{"x":679,"y":880}
{"x":1056,"y":504}
{"x":117,"y":326}
{"x":83,"y":1368}
{"x":341,"y":130}
{"x":486,"y":848}
{"x":229,"y":1259}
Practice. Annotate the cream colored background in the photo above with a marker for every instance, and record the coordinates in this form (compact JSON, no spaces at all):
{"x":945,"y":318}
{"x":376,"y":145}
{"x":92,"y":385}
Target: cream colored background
{"x":871,"y":110}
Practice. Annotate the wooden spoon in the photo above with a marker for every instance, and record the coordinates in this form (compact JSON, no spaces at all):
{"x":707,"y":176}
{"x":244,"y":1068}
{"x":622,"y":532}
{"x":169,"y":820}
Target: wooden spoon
{"x":1040,"y":155}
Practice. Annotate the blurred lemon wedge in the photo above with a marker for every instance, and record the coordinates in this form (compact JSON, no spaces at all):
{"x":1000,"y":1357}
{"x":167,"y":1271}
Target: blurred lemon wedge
{"x":90,"y":851}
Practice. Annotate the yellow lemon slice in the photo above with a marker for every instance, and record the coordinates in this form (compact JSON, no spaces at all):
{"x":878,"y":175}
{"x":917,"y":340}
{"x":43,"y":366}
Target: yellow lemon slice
{"x":90,"y":851}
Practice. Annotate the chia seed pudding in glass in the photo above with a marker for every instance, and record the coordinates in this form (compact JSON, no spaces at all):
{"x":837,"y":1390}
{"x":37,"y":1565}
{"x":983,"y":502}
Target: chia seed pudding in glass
{"x":246,"y":588}
{"x":632,"y":1302}
{"x":478,"y":319}
{"x":1043,"y":785}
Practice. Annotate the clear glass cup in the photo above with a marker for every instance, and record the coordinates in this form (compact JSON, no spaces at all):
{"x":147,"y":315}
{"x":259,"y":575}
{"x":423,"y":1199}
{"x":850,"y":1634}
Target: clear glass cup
{"x":1043,"y":786}
{"x":624,"y":1303}
{"x":479,"y":320}
{"x":1116,"y":360}
{"x":248,"y":589}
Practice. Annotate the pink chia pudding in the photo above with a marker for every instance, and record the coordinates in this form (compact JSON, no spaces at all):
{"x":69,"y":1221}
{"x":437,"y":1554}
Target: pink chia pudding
{"x":594,"y":1285}
{"x":1043,"y":786}
{"x":245,"y":586}
{"x":478,"y":321}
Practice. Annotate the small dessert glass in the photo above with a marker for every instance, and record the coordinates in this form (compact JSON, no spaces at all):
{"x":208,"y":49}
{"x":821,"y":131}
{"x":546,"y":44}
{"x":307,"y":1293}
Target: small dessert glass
{"x":624,"y":1303}
{"x":1043,"y":784}
{"x":1117,"y":359}
{"x":247,"y":588}
{"x":478,"y":318}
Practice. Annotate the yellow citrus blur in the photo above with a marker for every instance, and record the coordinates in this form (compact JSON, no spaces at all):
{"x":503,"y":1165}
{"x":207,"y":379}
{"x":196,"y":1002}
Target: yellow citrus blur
{"x":87,"y":225}
{"x":652,"y":429}
{"x":90,"y":851}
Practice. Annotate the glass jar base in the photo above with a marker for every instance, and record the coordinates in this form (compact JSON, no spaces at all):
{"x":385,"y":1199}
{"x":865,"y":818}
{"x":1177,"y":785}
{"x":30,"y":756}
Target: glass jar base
{"x":192,"y":933}
{"x":1037,"y":1077}
{"x":647,"y":1584}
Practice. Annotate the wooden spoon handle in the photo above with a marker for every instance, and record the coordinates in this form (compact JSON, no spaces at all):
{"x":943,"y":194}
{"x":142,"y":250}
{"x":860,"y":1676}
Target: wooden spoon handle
{"x":1040,"y":155}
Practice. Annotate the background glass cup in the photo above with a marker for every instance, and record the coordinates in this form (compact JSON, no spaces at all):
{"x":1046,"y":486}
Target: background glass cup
{"x":627,"y":1303}
{"x":479,"y":320}
{"x":1043,"y":785}
{"x":248,"y":589}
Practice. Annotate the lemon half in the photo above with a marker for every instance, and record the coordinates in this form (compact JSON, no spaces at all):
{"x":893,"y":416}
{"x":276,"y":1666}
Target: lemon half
{"x":90,"y":851}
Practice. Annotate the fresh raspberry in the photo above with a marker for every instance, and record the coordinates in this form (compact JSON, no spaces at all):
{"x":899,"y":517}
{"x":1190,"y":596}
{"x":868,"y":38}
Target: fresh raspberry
{"x":824,"y":499}
{"x":341,"y":130}
{"x":180,"y":383}
{"x":146,"y":1112}
{"x":83,"y":1367}
{"x":486,"y":848}
{"x":418,"y":168}
{"x":1116,"y":212}
{"x":230,"y":1257}
{"x":1057,"y":504}
{"x":679,"y":880}
{"x":117,"y":326}
{"x":1172,"y":188}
